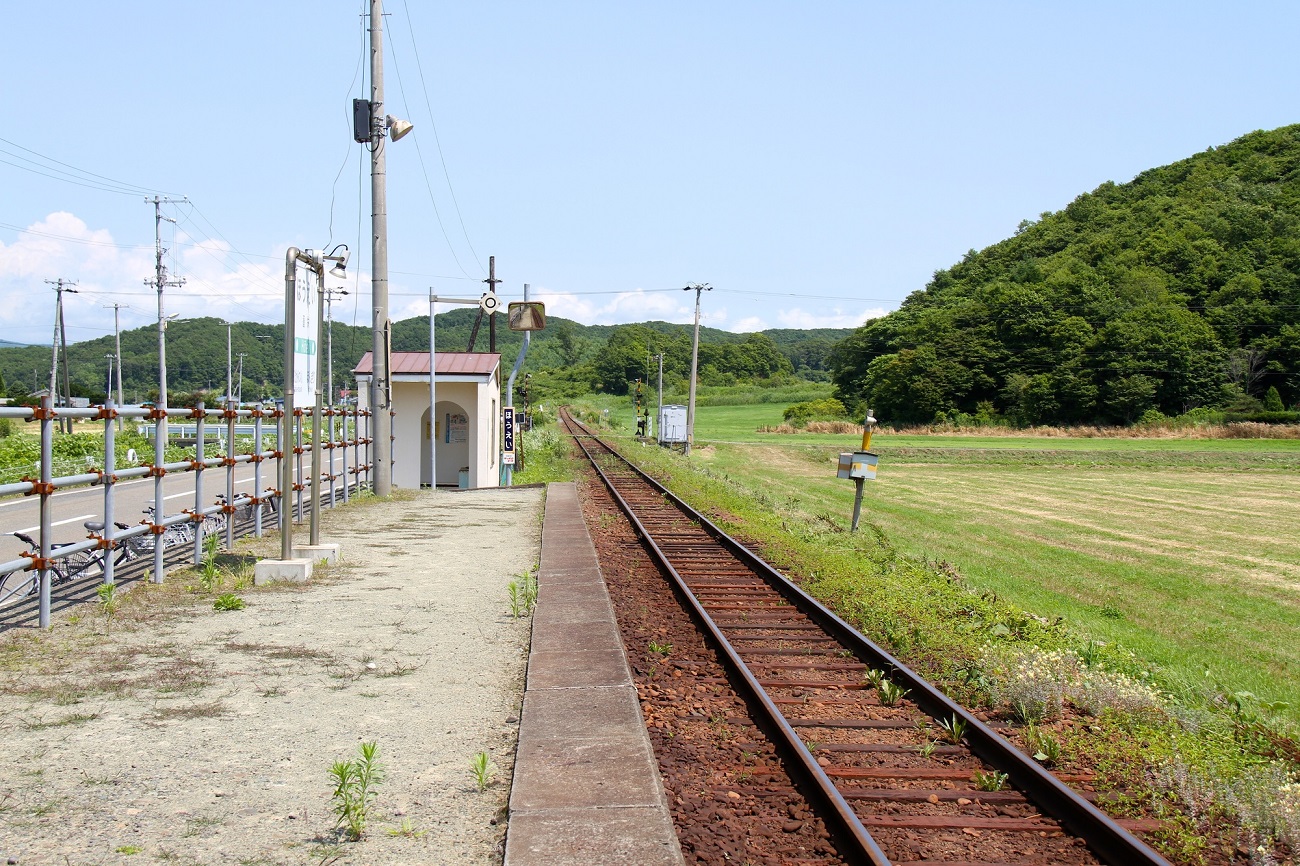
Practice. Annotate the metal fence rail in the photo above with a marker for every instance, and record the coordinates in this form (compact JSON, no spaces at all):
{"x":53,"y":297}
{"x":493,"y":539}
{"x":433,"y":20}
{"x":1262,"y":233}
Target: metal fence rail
{"x":352,"y":434}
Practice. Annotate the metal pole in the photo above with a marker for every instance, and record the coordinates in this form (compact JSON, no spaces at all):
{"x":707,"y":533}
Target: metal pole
{"x":857,"y":502}
{"x":230,"y":473}
{"x":379,"y":404}
{"x":117,"y":340}
{"x":110,"y":444}
{"x":695,"y":355}
{"x":300,"y":486}
{"x":286,"y":440}
{"x":63,"y":340}
{"x":659,"y":415}
{"x":314,"y":537}
{"x":257,"y":470}
{"x":343,"y":445}
{"x":230,"y":367}
{"x":47,"y":488}
{"x":200,"y":454}
{"x":510,"y":388}
{"x":159,"y":458}
{"x":433,"y":395}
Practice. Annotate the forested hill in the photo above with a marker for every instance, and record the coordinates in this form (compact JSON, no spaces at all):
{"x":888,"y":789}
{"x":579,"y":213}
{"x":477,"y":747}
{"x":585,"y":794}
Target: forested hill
{"x":569,"y":357}
{"x":1177,"y":290}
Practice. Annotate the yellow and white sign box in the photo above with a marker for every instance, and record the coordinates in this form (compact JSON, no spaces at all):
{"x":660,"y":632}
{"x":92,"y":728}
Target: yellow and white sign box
{"x":858,"y":464}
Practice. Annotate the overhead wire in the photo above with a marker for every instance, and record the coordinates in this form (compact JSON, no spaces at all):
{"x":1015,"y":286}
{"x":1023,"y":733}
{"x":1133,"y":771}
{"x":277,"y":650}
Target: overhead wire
{"x":117,"y":186}
{"x":410,"y":30}
{"x":401,"y":88}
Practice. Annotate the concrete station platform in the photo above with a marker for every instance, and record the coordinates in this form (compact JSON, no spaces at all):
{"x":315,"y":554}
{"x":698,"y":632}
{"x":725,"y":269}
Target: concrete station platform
{"x":586,"y":785}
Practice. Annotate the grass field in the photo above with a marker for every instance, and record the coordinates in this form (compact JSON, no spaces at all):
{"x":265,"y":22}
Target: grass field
{"x":1184,"y":551}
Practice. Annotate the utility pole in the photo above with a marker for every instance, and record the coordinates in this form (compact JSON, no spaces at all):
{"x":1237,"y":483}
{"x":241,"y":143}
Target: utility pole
{"x":239,"y":384}
{"x":695,"y":357}
{"x":60,"y":338}
{"x":492,"y":287}
{"x":379,"y":402}
{"x":331,"y":295}
{"x":160,"y":282}
{"x":117,"y":341}
{"x":660,"y":413}
{"x":230,"y":367}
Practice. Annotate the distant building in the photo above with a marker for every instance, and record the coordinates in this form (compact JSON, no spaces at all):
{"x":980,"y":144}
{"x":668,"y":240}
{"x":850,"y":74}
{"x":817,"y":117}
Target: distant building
{"x":466,"y":422}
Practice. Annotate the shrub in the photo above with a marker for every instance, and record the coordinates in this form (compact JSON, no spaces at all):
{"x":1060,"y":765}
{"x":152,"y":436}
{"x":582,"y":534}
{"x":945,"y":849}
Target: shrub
{"x":828,"y":408}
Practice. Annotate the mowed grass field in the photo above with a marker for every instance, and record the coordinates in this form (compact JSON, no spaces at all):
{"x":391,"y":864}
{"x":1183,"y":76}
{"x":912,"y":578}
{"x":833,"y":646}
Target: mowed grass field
{"x":1185,"y":551}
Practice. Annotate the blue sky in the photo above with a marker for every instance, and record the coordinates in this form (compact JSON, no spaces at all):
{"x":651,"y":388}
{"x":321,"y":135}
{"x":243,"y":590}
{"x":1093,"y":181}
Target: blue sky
{"x":814,"y":162}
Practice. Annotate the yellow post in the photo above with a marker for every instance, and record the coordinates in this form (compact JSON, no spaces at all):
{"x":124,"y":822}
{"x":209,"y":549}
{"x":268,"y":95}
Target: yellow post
{"x":867,"y":424}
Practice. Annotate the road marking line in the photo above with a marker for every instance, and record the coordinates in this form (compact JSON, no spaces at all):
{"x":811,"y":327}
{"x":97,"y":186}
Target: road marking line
{"x":37,"y":528}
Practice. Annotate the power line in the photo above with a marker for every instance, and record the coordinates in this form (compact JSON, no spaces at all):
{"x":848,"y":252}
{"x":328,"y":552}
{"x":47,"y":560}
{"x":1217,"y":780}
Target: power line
{"x":420,"y":155}
{"x":410,"y":30}
{"x":122,"y":187}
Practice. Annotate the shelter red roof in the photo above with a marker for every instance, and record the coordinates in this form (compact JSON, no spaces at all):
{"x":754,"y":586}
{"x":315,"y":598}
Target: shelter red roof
{"x":449,"y":363}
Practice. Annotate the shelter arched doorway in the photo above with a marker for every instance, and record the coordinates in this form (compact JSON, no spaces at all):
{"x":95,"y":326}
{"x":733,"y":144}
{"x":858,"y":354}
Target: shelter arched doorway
{"x":452,"y":430}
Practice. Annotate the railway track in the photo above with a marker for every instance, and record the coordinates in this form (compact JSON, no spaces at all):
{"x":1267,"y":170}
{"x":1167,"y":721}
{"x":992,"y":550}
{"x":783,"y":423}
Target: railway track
{"x":898,"y":773}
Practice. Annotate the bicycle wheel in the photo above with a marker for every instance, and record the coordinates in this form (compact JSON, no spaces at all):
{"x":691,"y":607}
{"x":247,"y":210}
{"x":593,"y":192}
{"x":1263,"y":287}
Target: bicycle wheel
{"x":75,"y":566}
{"x":16,"y":585}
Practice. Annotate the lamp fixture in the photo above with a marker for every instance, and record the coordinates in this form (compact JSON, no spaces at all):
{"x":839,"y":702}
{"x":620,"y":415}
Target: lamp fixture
{"x":397,"y":127}
{"x":341,"y":261}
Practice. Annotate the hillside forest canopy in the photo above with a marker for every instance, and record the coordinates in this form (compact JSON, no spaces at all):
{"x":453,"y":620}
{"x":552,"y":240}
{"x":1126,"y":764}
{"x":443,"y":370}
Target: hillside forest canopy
{"x":1174,"y":292}
{"x":566,"y":360}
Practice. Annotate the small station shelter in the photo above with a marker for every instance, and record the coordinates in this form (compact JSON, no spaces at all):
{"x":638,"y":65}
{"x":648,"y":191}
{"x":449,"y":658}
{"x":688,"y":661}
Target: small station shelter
{"x":466,"y":420}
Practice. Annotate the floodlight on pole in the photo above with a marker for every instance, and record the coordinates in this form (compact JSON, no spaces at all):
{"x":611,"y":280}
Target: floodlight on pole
{"x":340,"y":269}
{"x":397,"y":128}
{"x":372,"y":134}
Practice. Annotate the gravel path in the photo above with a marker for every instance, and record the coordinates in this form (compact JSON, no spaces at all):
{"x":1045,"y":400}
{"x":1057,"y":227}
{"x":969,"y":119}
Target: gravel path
{"x":179,"y":734}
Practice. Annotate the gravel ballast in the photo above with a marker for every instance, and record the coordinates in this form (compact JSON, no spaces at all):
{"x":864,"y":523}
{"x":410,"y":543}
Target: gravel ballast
{"x":189,"y":735}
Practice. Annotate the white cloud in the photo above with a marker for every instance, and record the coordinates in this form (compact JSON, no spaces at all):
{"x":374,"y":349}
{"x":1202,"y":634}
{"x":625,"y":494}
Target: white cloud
{"x":836,"y":317}
{"x":749,"y":324}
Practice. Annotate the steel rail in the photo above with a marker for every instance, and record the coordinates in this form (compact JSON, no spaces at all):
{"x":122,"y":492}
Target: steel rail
{"x":843,"y":824}
{"x":1107,"y":839}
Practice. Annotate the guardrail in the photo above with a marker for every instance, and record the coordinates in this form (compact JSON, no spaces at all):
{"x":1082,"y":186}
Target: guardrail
{"x":284,"y":430}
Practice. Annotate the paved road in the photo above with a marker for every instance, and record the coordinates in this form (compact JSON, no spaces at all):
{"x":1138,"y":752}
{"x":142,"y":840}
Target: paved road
{"x":71,"y":508}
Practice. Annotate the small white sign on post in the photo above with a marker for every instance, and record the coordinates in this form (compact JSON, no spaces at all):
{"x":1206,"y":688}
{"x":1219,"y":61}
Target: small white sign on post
{"x":305,"y":315}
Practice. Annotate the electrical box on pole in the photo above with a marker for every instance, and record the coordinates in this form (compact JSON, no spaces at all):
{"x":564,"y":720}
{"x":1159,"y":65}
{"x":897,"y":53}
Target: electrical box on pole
{"x":361,"y":112}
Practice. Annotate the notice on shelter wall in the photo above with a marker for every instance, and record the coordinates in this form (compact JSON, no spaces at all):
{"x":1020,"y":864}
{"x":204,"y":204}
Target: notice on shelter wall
{"x":457,"y":427}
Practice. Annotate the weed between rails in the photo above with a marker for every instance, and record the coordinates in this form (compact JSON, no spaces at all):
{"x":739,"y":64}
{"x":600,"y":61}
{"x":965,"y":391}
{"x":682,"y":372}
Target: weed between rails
{"x":988,"y":653}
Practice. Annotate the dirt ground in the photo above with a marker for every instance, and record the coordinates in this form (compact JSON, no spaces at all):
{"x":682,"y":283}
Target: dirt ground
{"x":176,"y":733}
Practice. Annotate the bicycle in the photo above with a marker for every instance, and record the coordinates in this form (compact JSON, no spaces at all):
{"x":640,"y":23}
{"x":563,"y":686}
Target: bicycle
{"x":91,"y":563}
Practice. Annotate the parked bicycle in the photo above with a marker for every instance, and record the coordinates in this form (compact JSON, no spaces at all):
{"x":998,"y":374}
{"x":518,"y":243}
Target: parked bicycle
{"x":85,"y":563}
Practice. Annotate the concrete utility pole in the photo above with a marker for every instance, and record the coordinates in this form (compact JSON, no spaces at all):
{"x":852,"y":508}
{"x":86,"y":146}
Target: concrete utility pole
{"x":380,"y":386}
{"x":160,"y":282}
{"x":117,"y":341}
{"x":60,"y":340}
{"x":660,"y":412}
{"x":492,"y":319}
{"x":239,"y":383}
{"x":695,"y":356}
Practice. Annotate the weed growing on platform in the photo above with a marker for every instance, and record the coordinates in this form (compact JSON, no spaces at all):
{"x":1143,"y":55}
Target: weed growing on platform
{"x":209,"y":571}
{"x":109,"y":601}
{"x":483,"y":769}
{"x":523,"y":594}
{"x":355,"y":782}
{"x":228,"y":601}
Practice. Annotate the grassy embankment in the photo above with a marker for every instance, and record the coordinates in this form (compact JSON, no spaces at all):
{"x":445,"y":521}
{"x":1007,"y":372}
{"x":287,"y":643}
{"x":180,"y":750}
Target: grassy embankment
{"x":1184,"y":551}
{"x":1153,"y":565}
